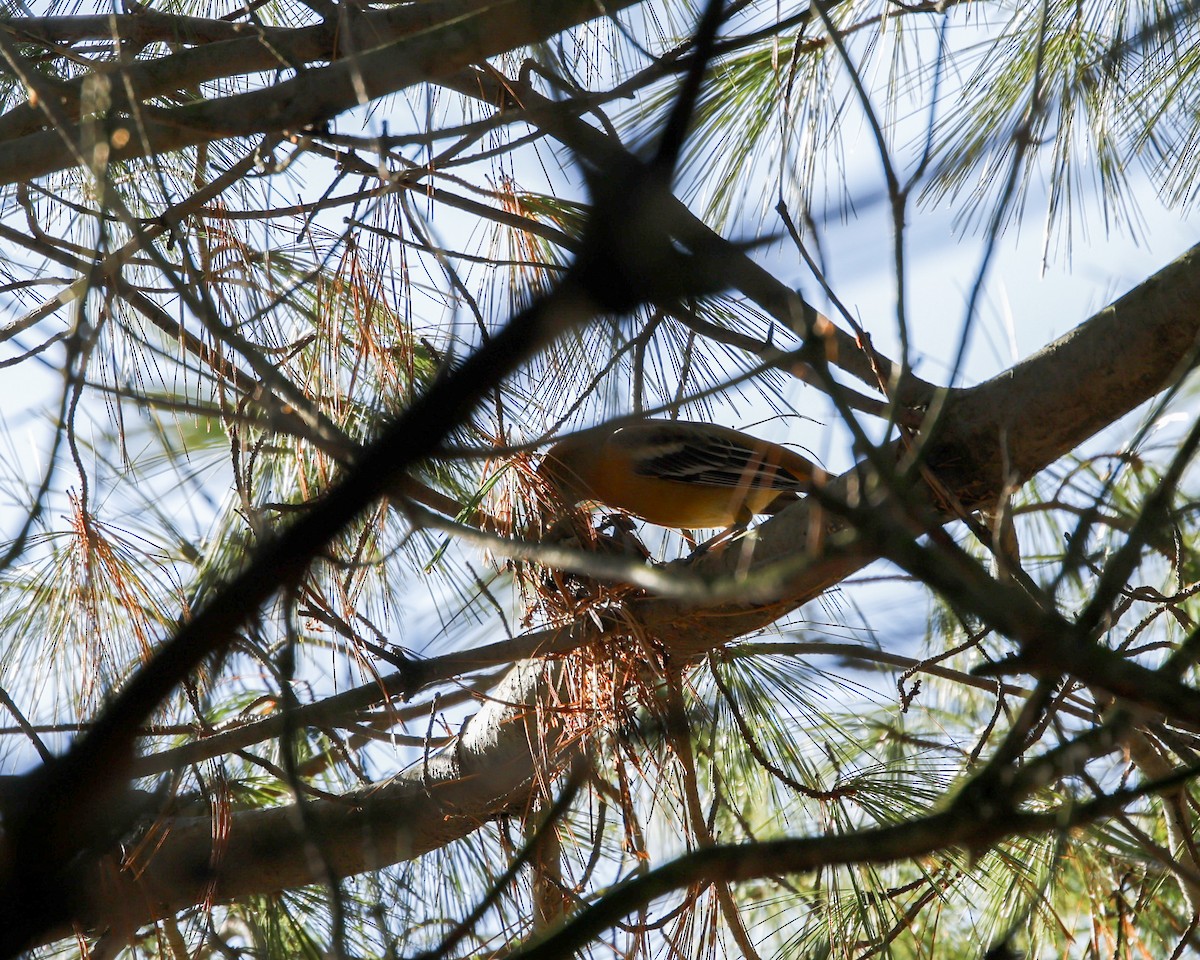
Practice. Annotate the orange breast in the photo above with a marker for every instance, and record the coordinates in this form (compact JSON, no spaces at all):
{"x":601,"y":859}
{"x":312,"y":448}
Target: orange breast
{"x":673,"y":504}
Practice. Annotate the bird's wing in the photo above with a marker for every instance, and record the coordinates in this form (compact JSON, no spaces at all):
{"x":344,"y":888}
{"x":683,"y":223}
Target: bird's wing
{"x":699,"y":453}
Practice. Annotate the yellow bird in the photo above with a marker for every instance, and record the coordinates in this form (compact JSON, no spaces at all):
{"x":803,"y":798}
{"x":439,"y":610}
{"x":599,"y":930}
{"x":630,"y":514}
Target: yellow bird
{"x":678,"y":473}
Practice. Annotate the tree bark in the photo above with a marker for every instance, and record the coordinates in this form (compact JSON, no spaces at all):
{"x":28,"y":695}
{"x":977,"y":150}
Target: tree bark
{"x":484,"y":774}
{"x":368,"y":56}
{"x":1020,"y":421}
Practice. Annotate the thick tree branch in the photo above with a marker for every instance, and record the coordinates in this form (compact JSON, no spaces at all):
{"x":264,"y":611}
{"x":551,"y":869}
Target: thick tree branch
{"x":1027,"y":417}
{"x":384,"y":59}
{"x":485,"y":773}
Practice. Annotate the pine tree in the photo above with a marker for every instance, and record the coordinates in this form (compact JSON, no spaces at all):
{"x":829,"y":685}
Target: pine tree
{"x":303,"y":655}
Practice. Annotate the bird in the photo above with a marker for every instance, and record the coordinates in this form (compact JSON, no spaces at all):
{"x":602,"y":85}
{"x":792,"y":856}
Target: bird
{"x":678,"y":473}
